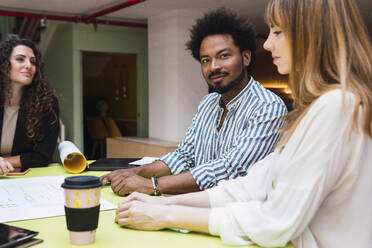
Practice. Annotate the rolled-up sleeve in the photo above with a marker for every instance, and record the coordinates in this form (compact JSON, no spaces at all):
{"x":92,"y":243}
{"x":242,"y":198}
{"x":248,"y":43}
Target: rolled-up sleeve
{"x":183,"y":158}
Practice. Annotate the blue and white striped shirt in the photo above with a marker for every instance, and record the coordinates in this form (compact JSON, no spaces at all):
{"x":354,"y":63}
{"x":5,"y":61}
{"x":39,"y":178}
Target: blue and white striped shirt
{"x":248,"y":134}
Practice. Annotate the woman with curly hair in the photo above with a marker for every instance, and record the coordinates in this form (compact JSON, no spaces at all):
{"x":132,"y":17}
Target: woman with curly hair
{"x":29,"y":114}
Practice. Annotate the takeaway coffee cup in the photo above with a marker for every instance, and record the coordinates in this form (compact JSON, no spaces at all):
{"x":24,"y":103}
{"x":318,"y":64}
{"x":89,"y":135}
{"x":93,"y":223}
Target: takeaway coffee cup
{"x":82,"y":202}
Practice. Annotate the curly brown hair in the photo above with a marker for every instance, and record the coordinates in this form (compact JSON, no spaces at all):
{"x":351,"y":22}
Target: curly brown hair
{"x":37,"y":98}
{"x":223,"y":21}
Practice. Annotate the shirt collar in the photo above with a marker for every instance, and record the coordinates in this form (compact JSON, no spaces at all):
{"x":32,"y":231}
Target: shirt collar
{"x":237,"y":99}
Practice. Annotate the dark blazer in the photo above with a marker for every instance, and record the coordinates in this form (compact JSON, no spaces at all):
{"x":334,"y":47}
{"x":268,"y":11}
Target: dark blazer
{"x":38,"y":155}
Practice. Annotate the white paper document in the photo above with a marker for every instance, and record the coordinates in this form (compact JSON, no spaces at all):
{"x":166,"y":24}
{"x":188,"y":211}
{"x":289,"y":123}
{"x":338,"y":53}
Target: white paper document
{"x":144,"y":160}
{"x":33,"y":198}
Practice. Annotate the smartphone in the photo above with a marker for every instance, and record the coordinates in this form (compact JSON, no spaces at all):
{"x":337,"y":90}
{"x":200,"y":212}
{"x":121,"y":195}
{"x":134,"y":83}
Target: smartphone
{"x":11,"y":236}
{"x":18,"y":172}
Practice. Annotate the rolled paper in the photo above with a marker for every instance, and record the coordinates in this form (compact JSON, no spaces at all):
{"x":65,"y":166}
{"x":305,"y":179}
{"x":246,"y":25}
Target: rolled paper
{"x":72,"y":159}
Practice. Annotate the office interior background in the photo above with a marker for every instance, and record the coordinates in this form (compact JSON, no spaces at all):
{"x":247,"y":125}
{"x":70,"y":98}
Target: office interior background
{"x":131,"y":56}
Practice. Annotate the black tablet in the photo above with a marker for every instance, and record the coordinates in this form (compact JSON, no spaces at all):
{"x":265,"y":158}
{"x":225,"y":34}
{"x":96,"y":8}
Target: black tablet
{"x":109,"y":164}
{"x":11,"y":236}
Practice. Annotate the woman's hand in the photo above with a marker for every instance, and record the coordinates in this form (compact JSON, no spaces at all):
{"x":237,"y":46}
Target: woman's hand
{"x":5,"y":166}
{"x":141,"y":215}
{"x":135,"y":196}
{"x":140,"y":211}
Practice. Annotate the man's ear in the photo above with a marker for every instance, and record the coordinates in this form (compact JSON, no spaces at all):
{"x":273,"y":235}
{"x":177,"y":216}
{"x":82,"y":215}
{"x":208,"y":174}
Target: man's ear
{"x":246,"y":57}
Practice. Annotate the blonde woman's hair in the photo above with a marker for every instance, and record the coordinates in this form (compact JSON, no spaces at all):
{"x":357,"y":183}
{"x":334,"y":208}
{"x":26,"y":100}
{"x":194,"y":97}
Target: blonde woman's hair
{"x":330,"y":49}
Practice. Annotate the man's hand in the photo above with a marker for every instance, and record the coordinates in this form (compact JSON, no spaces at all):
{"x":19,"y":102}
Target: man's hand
{"x":114,"y":175}
{"x":123,"y":185}
{"x":138,"y":179}
{"x":5,"y":166}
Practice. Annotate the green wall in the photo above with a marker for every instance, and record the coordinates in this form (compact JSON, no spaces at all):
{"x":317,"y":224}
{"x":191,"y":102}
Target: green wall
{"x":58,"y":60}
{"x":64,"y":64}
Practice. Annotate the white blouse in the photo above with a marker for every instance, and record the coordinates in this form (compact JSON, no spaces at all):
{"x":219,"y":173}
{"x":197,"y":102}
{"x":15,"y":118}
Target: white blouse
{"x":315,"y":193}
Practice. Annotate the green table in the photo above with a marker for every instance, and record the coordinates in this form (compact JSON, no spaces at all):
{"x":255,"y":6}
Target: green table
{"x":54,"y":233}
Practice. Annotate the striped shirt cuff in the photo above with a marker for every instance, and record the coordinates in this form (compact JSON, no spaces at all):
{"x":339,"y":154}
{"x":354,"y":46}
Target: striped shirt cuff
{"x":204,"y":176}
{"x":176,"y":163}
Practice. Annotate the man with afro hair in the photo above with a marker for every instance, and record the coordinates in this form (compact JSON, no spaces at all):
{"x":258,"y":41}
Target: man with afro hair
{"x":235,"y":126}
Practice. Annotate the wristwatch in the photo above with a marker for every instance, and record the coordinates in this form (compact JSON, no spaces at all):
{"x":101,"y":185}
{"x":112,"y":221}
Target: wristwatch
{"x":154,"y":181}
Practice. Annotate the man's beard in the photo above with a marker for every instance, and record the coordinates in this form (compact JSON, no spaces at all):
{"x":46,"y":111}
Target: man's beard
{"x":221,"y":89}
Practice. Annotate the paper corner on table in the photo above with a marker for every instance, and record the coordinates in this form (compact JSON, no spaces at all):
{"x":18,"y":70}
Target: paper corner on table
{"x":35,"y":197}
{"x":144,"y":160}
